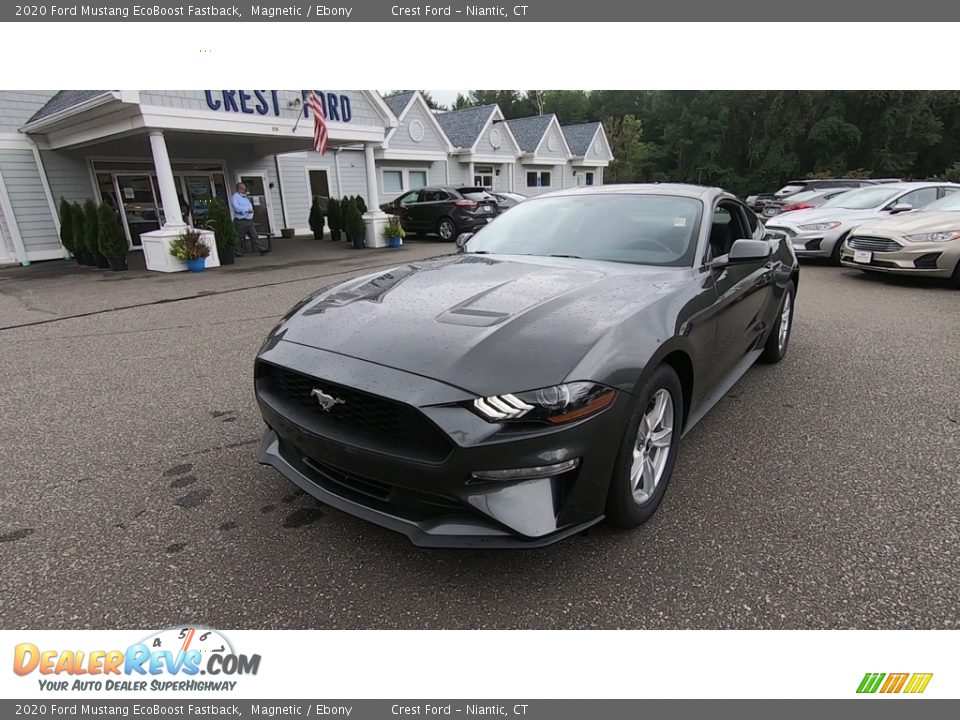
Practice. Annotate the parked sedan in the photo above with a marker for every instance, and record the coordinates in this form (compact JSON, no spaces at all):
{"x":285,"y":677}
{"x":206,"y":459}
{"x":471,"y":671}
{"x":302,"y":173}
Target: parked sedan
{"x":507,"y":200}
{"x":540,"y":381}
{"x":819,"y":232}
{"x":446,"y":211}
{"x":923,"y":243}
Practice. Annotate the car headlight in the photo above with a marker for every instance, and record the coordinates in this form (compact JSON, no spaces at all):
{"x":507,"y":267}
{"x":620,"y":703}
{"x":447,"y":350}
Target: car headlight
{"x":942,"y":236}
{"x":556,"y":405}
{"x":822,"y":226}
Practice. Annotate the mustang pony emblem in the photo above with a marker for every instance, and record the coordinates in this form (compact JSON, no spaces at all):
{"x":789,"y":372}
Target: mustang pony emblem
{"x":326,"y":401}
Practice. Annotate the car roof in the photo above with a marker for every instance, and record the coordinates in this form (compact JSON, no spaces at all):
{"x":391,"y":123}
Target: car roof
{"x":676,"y":189}
{"x":909,"y":185}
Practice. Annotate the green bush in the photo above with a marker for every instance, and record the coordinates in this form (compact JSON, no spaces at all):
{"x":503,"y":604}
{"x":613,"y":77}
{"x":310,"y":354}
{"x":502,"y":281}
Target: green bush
{"x":111,"y":241}
{"x":189,"y":245}
{"x":356,"y":229}
{"x":79,"y":220}
{"x":361,"y":205}
{"x":66,"y":227}
{"x":224,"y":230}
{"x":316,"y":218}
{"x":91,"y":226}
{"x":334,"y":218}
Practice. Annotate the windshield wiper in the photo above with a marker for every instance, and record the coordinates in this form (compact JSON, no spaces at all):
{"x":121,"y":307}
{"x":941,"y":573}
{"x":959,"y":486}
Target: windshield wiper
{"x":575,"y":257}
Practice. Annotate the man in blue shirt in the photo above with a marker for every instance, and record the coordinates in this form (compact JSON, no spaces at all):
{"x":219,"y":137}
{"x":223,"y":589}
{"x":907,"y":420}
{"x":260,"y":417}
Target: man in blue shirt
{"x":243,"y":217}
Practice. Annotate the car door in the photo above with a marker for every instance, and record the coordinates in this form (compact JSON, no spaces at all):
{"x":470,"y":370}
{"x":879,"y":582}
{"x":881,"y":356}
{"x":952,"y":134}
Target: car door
{"x":436,"y":205}
{"x":744,"y":298}
{"x":407,"y":209}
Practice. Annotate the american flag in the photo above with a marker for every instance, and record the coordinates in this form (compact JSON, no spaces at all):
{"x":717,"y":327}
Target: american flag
{"x":319,"y":123}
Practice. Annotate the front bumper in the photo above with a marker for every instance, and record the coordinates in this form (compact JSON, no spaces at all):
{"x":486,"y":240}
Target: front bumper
{"x":808,"y":243}
{"x":928,"y":259}
{"x":427,"y":491}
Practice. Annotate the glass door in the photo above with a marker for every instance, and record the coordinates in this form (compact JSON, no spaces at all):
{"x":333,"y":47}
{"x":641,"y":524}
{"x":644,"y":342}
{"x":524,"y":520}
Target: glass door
{"x":136,"y":196}
{"x":198,"y":191}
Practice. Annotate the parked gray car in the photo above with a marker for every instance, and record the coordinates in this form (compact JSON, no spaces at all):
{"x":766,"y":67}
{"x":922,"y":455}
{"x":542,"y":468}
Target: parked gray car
{"x":819,"y":232}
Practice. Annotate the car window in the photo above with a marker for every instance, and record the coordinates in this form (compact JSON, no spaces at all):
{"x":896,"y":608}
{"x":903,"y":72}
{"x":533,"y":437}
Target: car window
{"x":410,"y":197}
{"x":949,"y":202}
{"x":433,"y":196}
{"x":919,"y":198}
{"x":790,"y":189}
{"x":475,"y":193}
{"x":641,"y":229}
{"x":861,"y":198}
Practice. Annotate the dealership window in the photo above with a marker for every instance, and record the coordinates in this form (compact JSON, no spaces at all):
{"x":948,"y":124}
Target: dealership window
{"x":418,"y":179}
{"x":392,"y":181}
{"x":483,"y":176}
{"x":538,"y":179}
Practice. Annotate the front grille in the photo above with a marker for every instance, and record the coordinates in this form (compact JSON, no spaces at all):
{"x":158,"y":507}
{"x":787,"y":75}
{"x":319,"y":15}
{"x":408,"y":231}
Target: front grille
{"x":874,"y":244}
{"x":360,"y":418}
{"x":814,"y":244}
{"x":414,"y":504}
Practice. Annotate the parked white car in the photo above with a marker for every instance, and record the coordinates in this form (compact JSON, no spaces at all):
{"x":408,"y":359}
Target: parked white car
{"x":819,"y":232}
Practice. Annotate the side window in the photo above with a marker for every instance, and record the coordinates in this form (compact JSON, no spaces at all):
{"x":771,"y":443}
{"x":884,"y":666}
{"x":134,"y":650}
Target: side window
{"x":944,"y":191}
{"x":410,"y":197}
{"x":919,"y":198}
{"x":752,"y":220}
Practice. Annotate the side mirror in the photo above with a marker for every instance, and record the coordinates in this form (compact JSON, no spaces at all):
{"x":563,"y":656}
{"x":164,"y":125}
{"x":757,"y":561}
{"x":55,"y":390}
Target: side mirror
{"x":901,"y":208}
{"x":744,"y":251}
{"x":462,"y":239}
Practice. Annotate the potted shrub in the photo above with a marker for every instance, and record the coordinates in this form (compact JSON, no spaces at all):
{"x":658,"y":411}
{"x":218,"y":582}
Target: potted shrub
{"x":66,"y":227}
{"x":79,"y":220}
{"x":316,"y":218}
{"x":190,"y":247}
{"x":356,"y":229}
{"x":345,"y":205}
{"x":111,"y":242}
{"x":224,"y":231}
{"x":361,"y":205}
{"x":91,"y":232}
{"x":393,"y":233}
{"x":334,"y":218}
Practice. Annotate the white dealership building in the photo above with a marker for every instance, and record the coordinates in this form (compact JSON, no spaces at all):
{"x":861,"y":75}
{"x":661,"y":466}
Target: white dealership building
{"x":160,"y":155}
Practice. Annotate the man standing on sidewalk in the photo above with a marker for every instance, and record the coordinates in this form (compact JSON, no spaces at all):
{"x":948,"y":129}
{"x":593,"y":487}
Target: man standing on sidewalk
{"x":243,"y":217}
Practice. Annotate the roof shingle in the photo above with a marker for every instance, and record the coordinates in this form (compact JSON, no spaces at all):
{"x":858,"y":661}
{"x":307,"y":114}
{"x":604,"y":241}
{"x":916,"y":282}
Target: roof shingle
{"x":64,"y":100}
{"x":398,"y":101}
{"x":578,"y":137}
{"x":463,"y":127}
{"x":529,"y":131}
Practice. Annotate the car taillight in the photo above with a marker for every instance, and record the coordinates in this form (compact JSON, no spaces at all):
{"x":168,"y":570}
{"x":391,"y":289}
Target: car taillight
{"x":795,"y":206}
{"x":466,"y":203}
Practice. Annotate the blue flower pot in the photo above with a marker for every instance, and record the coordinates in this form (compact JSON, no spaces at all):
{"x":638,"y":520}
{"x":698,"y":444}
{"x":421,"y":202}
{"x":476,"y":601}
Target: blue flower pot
{"x":198,"y":265}
{"x":395,"y":242}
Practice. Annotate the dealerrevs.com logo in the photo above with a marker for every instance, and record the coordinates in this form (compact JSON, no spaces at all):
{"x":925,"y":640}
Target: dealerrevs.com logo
{"x":170,"y":660}
{"x":887,"y":684}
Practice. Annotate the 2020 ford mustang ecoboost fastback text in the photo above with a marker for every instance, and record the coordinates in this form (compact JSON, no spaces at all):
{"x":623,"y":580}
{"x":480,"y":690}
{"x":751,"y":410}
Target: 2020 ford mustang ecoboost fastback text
{"x":535,"y":383}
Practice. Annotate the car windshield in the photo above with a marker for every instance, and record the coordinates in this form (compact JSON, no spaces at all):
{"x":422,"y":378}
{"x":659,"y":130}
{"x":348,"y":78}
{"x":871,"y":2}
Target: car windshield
{"x":789,"y":189}
{"x":944,"y":204}
{"x":641,"y":229}
{"x":806,"y":195}
{"x":861,"y":198}
{"x":475,"y":193}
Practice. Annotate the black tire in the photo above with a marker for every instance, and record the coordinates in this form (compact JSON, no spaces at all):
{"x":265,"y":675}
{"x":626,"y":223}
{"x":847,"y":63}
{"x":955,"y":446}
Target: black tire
{"x":772,"y":350}
{"x":835,"y":255}
{"x":447,"y":229}
{"x":623,"y":508}
{"x":955,"y":278}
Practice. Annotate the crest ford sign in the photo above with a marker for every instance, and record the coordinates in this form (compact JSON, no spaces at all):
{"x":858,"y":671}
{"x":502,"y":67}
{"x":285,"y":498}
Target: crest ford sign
{"x":336,"y":106}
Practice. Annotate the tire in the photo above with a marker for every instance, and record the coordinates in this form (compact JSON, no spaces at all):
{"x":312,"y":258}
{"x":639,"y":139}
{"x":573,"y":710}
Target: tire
{"x":835,"y":255}
{"x":628,"y":505}
{"x":447,"y":229}
{"x":955,"y":278}
{"x":778,"y":342}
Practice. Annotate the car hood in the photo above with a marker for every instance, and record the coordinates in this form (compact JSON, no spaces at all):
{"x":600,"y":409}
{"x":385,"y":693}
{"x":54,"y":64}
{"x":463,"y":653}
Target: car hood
{"x":817,"y":215}
{"x":913,"y":223}
{"x":486,"y":324}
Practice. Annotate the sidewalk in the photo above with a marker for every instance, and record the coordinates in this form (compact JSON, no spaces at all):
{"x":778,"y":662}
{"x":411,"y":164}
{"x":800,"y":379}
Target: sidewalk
{"x":60,"y":288}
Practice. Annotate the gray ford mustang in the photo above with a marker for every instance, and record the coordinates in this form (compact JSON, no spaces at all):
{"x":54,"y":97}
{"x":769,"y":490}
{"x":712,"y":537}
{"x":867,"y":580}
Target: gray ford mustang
{"x":537,"y":382}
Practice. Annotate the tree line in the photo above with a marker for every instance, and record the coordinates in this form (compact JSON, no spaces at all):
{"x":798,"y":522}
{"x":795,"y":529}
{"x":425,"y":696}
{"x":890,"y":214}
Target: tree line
{"x":751,"y":141}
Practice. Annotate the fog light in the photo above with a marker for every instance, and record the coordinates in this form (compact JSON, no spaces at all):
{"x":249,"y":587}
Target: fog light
{"x":528,"y":473}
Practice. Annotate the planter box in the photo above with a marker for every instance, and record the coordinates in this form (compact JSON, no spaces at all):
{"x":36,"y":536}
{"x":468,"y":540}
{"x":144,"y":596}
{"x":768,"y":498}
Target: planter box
{"x":156,"y":250}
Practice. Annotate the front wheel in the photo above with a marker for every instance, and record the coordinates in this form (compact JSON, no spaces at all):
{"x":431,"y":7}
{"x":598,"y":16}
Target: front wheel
{"x":955,"y":278}
{"x":778,"y":339}
{"x":648,"y":451}
{"x":446,"y":229}
{"x":837,"y":246}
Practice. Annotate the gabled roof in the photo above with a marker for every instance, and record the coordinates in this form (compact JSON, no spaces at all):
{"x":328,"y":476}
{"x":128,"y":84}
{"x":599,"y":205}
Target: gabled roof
{"x":65,"y":100}
{"x":579,"y":137}
{"x":463,"y":127}
{"x":529,"y":131}
{"x":398,"y":101}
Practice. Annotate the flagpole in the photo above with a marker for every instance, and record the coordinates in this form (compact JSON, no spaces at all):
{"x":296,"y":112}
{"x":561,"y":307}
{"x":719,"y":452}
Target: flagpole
{"x":299,"y":105}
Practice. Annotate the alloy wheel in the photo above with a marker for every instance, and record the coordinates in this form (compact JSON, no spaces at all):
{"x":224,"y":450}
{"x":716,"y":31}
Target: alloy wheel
{"x":652,"y":448}
{"x":785,"y":314}
{"x":445,"y":229}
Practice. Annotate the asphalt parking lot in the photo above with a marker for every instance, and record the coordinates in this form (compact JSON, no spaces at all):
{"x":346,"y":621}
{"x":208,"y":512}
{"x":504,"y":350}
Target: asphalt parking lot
{"x":821,"y":493}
